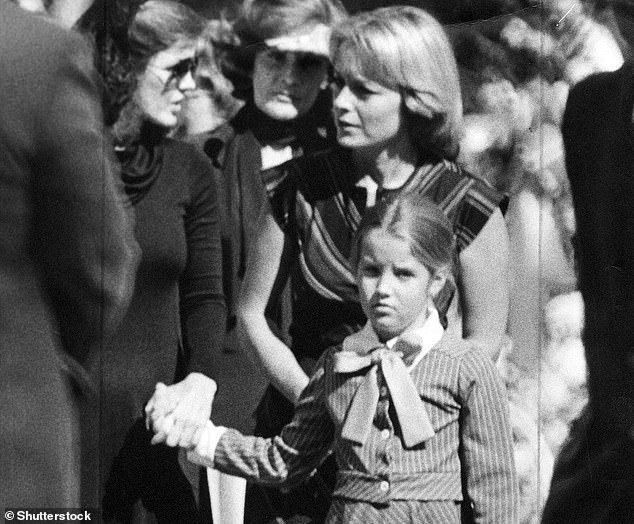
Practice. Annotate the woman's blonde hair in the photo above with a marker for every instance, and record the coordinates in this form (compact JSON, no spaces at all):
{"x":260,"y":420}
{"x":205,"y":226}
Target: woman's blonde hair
{"x":405,"y":48}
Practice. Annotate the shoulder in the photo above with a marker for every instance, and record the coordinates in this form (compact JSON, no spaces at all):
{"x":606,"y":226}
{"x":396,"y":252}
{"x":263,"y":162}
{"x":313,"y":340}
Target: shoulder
{"x":35,"y":38}
{"x":324,"y":367}
{"x":241,"y":122}
{"x":212,"y":143}
{"x":20,"y":26}
{"x":453,"y":348}
{"x":42,"y":51}
{"x":479,"y":189}
{"x":188,"y":155}
{"x":467,"y":199}
{"x":596,"y":100}
{"x":317,"y":176}
{"x":594,"y":88}
{"x":473,"y":362}
{"x":188,"y":164}
{"x":449,"y":184}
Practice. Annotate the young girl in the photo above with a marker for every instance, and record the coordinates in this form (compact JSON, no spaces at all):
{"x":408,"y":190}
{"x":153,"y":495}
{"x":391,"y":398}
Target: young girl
{"x":418,"y":421}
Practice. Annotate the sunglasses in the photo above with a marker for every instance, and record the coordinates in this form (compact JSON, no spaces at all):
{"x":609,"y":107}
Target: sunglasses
{"x":182,"y":68}
{"x":178,"y":71}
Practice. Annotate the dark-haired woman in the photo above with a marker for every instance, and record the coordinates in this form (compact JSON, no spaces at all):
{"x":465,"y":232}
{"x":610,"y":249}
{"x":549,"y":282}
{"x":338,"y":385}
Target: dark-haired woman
{"x":174,"y":325}
{"x":287,"y":114}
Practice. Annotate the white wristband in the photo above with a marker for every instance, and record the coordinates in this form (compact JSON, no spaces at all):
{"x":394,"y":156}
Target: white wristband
{"x":203,"y":453}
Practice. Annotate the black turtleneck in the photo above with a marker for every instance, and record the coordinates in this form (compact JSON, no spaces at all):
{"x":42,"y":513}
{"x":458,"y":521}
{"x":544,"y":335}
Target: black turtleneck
{"x":141,"y":159}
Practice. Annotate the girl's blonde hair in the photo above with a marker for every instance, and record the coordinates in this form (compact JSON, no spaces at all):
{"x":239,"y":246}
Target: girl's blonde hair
{"x":419,"y":221}
{"x":405,"y":48}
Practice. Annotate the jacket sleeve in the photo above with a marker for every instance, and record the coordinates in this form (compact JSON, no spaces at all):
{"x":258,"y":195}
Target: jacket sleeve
{"x":202,"y":303}
{"x":83,"y":232}
{"x":489,"y":477}
{"x":284,"y":460}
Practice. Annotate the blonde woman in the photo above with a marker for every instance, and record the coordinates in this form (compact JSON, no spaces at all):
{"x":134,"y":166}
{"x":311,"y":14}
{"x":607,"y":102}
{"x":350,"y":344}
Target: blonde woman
{"x":398,"y":115}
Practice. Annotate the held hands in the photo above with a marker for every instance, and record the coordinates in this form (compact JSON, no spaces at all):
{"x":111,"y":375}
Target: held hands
{"x":178,"y":413}
{"x":315,"y":42}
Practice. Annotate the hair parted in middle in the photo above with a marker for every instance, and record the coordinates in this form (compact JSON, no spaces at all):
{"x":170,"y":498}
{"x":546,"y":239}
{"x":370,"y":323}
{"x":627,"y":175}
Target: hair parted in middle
{"x":417,"y":220}
{"x":406,"y":49}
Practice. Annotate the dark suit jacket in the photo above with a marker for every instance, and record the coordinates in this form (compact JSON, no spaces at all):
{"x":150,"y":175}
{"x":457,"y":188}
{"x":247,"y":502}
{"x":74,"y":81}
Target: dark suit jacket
{"x":600,"y":162}
{"x":593,"y":481}
{"x":66,"y":253}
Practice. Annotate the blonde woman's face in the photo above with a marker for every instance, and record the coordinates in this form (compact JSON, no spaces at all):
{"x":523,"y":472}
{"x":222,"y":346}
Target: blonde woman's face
{"x":286,"y":84}
{"x":367,"y":114}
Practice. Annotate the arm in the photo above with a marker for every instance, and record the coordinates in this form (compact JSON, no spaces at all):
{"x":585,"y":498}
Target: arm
{"x":83,"y":231}
{"x":266,"y":267}
{"x":484,"y":286}
{"x":284,"y":460}
{"x":486,"y":443}
{"x":202,"y":303}
{"x":202,"y":311}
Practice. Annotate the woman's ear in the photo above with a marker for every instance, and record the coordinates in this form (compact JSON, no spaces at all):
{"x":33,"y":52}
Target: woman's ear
{"x":437,"y":282}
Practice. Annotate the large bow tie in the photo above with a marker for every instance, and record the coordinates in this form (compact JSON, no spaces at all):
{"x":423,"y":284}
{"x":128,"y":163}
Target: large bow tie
{"x":410,"y":409}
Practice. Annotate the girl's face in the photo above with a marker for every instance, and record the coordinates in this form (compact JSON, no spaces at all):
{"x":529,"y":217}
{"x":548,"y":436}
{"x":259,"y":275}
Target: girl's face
{"x":164,"y":84}
{"x":395,"y":287}
{"x":367,"y":114}
{"x":286,"y":84}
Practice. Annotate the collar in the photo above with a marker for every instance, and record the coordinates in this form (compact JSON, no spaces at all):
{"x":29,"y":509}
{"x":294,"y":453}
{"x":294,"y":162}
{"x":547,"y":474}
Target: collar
{"x":426,"y":336}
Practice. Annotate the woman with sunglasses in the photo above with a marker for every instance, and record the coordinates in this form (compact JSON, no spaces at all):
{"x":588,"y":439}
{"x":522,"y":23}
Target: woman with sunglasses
{"x":173,"y":328}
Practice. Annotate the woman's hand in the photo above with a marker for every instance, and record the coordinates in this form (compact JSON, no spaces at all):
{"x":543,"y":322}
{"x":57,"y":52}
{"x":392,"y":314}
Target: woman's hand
{"x":178,"y":413}
{"x":314,"y":42}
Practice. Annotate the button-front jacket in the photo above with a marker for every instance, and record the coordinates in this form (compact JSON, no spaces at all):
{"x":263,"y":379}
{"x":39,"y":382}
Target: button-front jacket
{"x":469,"y":458}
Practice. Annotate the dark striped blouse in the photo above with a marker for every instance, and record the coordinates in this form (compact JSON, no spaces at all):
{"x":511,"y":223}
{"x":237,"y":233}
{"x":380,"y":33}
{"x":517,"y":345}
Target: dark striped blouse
{"x":469,"y":459}
{"x":317,"y":204}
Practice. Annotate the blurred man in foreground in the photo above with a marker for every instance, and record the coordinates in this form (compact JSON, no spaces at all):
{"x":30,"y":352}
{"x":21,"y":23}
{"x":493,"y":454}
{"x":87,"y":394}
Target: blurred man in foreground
{"x":67,"y":257}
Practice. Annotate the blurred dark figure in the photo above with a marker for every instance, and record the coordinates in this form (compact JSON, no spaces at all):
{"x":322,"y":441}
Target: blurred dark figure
{"x":105,"y":23}
{"x":593,"y":480}
{"x":66,"y":257}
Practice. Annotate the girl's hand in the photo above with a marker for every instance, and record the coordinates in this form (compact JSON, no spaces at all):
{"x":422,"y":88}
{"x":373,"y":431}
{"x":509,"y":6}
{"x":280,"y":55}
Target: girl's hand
{"x":178,"y":413}
{"x":315,"y":42}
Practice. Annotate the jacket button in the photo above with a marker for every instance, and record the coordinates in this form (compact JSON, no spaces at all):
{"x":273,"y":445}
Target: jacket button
{"x":385,"y":434}
{"x":384,"y":486}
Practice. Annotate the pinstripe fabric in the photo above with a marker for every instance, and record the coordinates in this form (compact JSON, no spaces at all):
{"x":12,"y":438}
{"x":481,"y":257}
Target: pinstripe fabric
{"x":398,"y":512}
{"x":470,"y":455}
{"x":312,"y":198}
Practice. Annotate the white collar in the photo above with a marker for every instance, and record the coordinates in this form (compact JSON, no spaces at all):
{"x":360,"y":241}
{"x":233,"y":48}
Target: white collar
{"x":426,"y":336}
